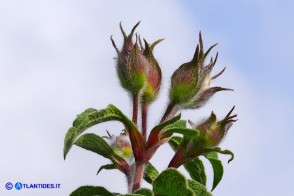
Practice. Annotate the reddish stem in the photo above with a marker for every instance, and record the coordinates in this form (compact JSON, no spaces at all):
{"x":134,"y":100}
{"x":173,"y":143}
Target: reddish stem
{"x":129,"y":181}
{"x":170,"y":111}
{"x":177,"y":160}
{"x":144,"y":120}
{"x":138,"y":176}
{"x":135,"y":107}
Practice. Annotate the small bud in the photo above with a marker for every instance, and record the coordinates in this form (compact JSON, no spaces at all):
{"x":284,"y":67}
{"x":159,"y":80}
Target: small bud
{"x":153,"y":73}
{"x":121,"y":145}
{"x":190,"y":83}
{"x":131,"y":63}
{"x":213,"y":132}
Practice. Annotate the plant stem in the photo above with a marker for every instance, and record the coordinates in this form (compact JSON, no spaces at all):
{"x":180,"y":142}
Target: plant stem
{"x":170,"y":111}
{"x":177,"y":159}
{"x":144,"y":119}
{"x":138,"y":175}
{"x":129,"y":181}
{"x":135,"y":107}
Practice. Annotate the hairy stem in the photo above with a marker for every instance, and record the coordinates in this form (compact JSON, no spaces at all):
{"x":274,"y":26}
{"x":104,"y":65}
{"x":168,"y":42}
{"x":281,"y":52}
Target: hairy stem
{"x":170,"y":111}
{"x":130,"y":185}
{"x":135,"y":108}
{"x":138,"y":176}
{"x":177,"y":159}
{"x":144,"y":119}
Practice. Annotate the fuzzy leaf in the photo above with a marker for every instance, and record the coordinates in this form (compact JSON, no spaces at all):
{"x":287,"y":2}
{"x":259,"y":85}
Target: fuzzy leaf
{"x":107,"y":167}
{"x":194,"y":167}
{"x":98,"y":145}
{"x":174,"y":142}
{"x":198,"y":188}
{"x":144,"y":191}
{"x":217,"y":166}
{"x":171,"y":183}
{"x":92,"y":117}
{"x":91,"y":191}
{"x":188,"y":133}
{"x":153,"y":137}
{"x":196,"y":170}
{"x":219,"y":150}
{"x":150,"y":173}
{"x":154,"y":141}
{"x":179,"y":124}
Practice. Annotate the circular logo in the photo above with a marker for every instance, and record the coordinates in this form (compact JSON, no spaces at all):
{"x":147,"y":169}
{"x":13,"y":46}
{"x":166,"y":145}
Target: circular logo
{"x":8,"y":185}
{"x":18,"y":185}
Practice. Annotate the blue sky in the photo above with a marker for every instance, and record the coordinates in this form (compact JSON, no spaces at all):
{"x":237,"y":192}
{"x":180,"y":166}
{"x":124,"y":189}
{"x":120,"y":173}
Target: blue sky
{"x":56,"y":61}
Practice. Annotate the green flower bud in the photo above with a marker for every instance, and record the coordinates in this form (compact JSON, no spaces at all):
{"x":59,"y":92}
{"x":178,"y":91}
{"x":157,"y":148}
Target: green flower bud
{"x":184,"y":81}
{"x":212,"y":131}
{"x":131,"y":63}
{"x":190,"y":83}
{"x":153,"y":73}
{"x":211,"y":134}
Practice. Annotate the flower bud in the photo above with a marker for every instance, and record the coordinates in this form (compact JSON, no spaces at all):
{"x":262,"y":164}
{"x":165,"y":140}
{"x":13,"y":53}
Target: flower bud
{"x":121,"y":145}
{"x":190,"y":83}
{"x":184,"y":81}
{"x":212,"y":131}
{"x":211,"y":134}
{"x":153,"y":73}
{"x":131,"y":63}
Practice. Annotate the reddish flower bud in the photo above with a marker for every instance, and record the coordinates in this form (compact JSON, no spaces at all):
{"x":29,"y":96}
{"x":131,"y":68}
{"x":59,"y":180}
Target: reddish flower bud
{"x":211,"y":134}
{"x":153,"y":73}
{"x":184,"y":81}
{"x":212,"y":131}
{"x":131,"y":63}
{"x":190,"y":83}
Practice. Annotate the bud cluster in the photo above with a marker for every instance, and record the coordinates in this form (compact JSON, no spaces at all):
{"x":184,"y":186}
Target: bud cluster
{"x":137,"y":68}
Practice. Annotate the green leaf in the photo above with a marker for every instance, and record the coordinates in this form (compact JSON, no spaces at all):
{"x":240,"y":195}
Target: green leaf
{"x":91,"y":191}
{"x":98,"y":145}
{"x":196,"y":170}
{"x":107,"y":167}
{"x":180,"y":124}
{"x":217,"y":166}
{"x":211,"y":155}
{"x":171,"y":183}
{"x":168,"y":122}
{"x":153,"y":137}
{"x":174,"y":142}
{"x":189,"y":133}
{"x":198,"y":188}
{"x":194,"y":167}
{"x":219,"y":150}
{"x":144,"y":191}
{"x":150,"y":173}
{"x":154,"y":141}
{"x":92,"y":117}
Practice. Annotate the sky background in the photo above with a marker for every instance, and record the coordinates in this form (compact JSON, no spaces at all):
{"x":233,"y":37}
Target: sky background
{"x":56,"y":60}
